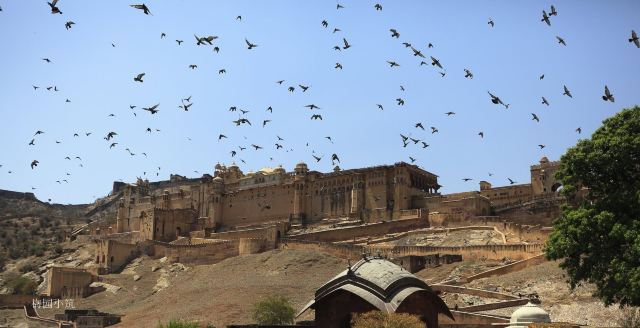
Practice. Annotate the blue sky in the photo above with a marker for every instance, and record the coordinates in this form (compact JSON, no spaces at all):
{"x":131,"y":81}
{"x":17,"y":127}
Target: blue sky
{"x":293,"y":46}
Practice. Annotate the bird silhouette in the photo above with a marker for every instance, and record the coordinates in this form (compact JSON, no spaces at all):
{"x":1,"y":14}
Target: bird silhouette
{"x":380,"y":106}
{"x":138,"y":78}
{"x":222,"y":71}
{"x":152,"y":109}
{"x":265,"y":122}
{"x":68,"y":24}
{"x":394,"y":33}
{"x":334,"y":157}
{"x":545,"y":18}
{"x":466,"y":179}
{"x":535,"y":117}
{"x":424,"y":144}
{"x":221,"y":136}
{"x":435,"y":62}
{"x":338,"y":65}
{"x":325,"y":23}
{"x":346,"y":44}
{"x":54,"y":8}
{"x":32,"y":143}
{"x":250,"y":45}
{"x":468,"y":74}
{"x":142,"y":7}
{"x":338,"y":6}
{"x":256,"y":147}
{"x":303,"y":87}
{"x":417,"y":52}
{"x":567,"y":92}
{"x":179,"y":42}
{"x":35,"y":162}
{"x":561,"y":41}
{"x":490,"y":22}
{"x":607,"y":95}
{"x":541,"y":146}
{"x":400,"y":101}
{"x":316,"y":117}
{"x":511,"y":181}
{"x":316,"y":158}
{"x":419,"y":125}
{"x":450,"y":113}
{"x":205,"y":40}
{"x":312,"y":106}
{"x":434,"y":130}
{"x":413,"y":160}
{"x":553,"y":11}
{"x":192,"y":66}
{"x":579,"y":130}
{"x":544,"y":101}
{"x":634,"y":39}
{"x":481,"y":134}
{"x":378,"y":6}
{"x":392,"y":63}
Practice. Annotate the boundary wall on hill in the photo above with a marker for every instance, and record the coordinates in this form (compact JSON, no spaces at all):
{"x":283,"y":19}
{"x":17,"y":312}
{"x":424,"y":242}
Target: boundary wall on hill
{"x":371,"y":229}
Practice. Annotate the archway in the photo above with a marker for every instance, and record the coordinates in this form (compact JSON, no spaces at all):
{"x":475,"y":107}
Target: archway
{"x":556,"y":187}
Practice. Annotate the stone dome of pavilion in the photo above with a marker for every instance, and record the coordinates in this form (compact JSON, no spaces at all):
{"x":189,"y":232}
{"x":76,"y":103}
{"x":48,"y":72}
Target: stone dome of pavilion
{"x":528,"y":313}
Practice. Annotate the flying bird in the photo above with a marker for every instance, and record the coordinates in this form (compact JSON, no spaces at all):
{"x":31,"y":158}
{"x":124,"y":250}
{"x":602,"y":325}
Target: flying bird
{"x":338,"y":6}
{"x":579,"y":130}
{"x":256,"y":146}
{"x":634,"y":39}
{"x":378,"y":6}
{"x":394,"y":33}
{"x":312,"y":106}
{"x":450,"y":113}
{"x":400,"y":101}
{"x":490,"y":22}
{"x":607,"y":95}
{"x":553,"y":11}
{"x":249,"y":44}
{"x":325,"y":23}
{"x":316,"y":117}
{"x":417,"y":52}
{"x":380,"y":106}
{"x":561,"y":41}
{"x":304,"y":88}
{"x":113,"y":145}
{"x":338,"y":65}
{"x":54,"y":8}
{"x":419,"y":125}
{"x":162,"y":35}
{"x":466,"y":179}
{"x":142,"y":7}
{"x":535,"y":117}
{"x":138,"y":78}
{"x":316,"y":158}
{"x":435,"y":62}
{"x":545,"y":18}
{"x":481,"y":134}
{"x":392,"y":63}
{"x":433,"y":130}
{"x":334,"y":157}
{"x":541,"y":146}
{"x":265,"y":122}
{"x":192,"y":66}
{"x":32,"y":143}
{"x":468,"y":74}
{"x":35,"y":162}
{"x":567,"y":92}
{"x":68,"y":24}
{"x":346,"y":44}
{"x":179,"y":41}
{"x":202,"y":40}
{"x":544,"y":101}
{"x":221,"y":136}
{"x":152,"y":109}
{"x":495,"y":99}
{"x":511,"y":181}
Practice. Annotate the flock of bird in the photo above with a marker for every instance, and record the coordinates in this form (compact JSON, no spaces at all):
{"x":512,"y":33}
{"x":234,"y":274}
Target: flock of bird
{"x":278,"y":142}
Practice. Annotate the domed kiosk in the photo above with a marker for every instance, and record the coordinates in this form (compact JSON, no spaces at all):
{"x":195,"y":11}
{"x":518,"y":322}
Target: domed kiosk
{"x":371,"y":284}
{"x":527,"y":314}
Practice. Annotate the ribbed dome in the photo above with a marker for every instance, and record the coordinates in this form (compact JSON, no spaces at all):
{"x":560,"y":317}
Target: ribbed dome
{"x":529,"y":313}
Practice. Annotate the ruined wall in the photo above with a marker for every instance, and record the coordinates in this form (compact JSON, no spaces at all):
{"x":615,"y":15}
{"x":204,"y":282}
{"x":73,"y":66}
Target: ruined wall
{"x":252,"y":246}
{"x":489,"y":252}
{"x":69,"y":282}
{"x":202,"y":253}
{"x":372,"y":229}
{"x":508,"y":195}
{"x":271,"y":234}
{"x":513,"y":267}
{"x":346,"y":251}
{"x":112,"y":255}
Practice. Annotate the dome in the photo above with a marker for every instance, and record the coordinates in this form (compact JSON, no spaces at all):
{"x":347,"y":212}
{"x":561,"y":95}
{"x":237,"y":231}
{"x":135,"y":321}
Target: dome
{"x":544,"y":159}
{"x":529,"y":313}
{"x":301,"y":164}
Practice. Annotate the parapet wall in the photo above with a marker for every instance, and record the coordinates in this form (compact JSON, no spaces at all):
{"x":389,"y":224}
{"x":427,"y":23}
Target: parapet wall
{"x":201,"y":253}
{"x":489,"y":252}
{"x":65,"y":282}
{"x":372,"y":229}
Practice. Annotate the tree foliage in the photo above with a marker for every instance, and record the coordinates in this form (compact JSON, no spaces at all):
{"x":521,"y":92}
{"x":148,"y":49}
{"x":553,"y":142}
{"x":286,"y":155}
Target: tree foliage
{"x":377,"y":319}
{"x":273,"y":310}
{"x":22,"y":285}
{"x":598,"y":237}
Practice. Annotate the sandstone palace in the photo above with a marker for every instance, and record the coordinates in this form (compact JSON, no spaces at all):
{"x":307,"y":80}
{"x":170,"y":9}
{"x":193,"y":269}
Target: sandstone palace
{"x":233,"y":199}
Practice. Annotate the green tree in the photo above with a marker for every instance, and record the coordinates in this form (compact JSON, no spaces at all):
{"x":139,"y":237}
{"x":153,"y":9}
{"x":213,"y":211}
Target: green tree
{"x":597,"y":237}
{"x":377,"y":319}
{"x":273,"y":310}
{"x":22,"y":285}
